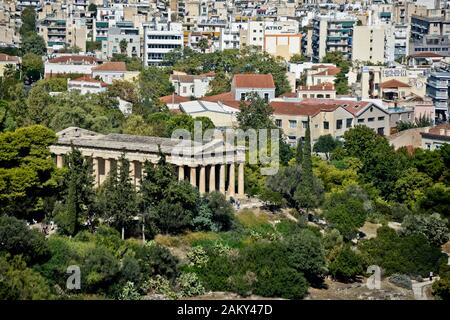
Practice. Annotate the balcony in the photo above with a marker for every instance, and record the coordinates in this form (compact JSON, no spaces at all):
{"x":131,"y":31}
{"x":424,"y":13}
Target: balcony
{"x":441,"y":105}
{"x":438,"y":84}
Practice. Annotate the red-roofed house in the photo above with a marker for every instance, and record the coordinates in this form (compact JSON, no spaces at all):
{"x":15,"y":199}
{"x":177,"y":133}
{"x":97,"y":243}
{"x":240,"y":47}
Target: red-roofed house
{"x":66,"y":64}
{"x":86,"y":84}
{"x":393,"y":90}
{"x":321,"y":74}
{"x":173,"y":101}
{"x":327,"y":116}
{"x":323,"y":90}
{"x":110,"y":71}
{"x":245,"y":83}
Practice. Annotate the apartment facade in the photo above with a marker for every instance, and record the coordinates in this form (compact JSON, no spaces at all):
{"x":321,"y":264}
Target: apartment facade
{"x":116,"y":35}
{"x":369,"y":44}
{"x":159,"y":39}
{"x":332,"y":33}
{"x":438,"y":89}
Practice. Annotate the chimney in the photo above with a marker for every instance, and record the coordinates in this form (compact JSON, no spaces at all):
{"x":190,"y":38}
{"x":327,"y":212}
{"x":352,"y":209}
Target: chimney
{"x":426,"y":130}
{"x":442,"y":132}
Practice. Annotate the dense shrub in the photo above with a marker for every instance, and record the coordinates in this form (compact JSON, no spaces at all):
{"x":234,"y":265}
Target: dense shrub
{"x":412,"y":255}
{"x":347,"y":265}
{"x":401,"y":280}
{"x":433,"y":227}
{"x":17,"y":282}
{"x":17,"y":238}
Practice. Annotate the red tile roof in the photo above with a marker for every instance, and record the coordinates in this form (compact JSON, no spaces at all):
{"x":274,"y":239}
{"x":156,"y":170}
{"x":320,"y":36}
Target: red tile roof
{"x":393,"y":84}
{"x":331,"y":71}
{"x":426,"y":55}
{"x":6,"y":58}
{"x":289,"y":95}
{"x":90,"y":79}
{"x":226,"y":96}
{"x":326,"y":86}
{"x":73,"y":59}
{"x":173,"y":99}
{"x":111,"y":66}
{"x":249,"y":80}
{"x":299,"y":108}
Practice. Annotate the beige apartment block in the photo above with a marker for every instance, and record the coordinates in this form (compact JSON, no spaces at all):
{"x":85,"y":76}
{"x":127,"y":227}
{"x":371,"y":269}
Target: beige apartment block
{"x":368,"y":44}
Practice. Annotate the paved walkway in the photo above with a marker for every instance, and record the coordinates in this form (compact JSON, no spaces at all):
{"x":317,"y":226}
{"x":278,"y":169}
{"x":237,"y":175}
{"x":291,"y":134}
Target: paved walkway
{"x":419,"y":289}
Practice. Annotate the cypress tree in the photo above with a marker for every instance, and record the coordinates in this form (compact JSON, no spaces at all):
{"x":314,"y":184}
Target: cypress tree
{"x":79,"y":201}
{"x":307,"y":161}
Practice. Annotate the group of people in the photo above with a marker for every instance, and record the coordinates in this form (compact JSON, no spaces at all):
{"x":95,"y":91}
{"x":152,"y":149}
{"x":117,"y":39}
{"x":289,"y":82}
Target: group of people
{"x":235,"y":202}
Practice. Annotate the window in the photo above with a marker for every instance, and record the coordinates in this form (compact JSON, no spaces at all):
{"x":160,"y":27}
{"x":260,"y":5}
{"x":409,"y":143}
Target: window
{"x":349,"y":122}
{"x":338,"y":124}
{"x":278,"y":123}
{"x":304,"y":124}
{"x":327,"y":96}
{"x":380,"y":131}
{"x":380,"y":118}
{"x":326,"y":125}
{"x":243,"y":96}
{"x":360,"y":120}
{"x":305,"y":96}
{"x":184,"y":90}
{"x":371,"y":119}
{"x":266,"y":97}
{"x":292,"y":123}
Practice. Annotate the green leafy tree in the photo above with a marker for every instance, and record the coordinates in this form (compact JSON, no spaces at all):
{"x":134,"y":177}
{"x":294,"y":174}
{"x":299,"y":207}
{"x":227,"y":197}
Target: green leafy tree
{"x":433,"y":227}
{"x":429,"y":162}
{"x":118,"y":198}
{"x":436,"y":199}
{"x":34,"y":43}
{"x":33,"y":66}
{"x":27,"y":173}
{"x":220,"y":84}
{"x":326,"y":144}
{"x":203,"y":44}
{"x":28,"y":18}
{"x":18,"y":239}
{"x":256,"y":114}
{"x":346,"y":211}
{"x":410,"y":187}
{"x":19,"y":282}
{"x":298,"y":58}
{"x":337,"y":58}
{"x":411,"y":255}
{"x":347,"y":265}
{"x":123,"y":45}
{"x":79,"y":202}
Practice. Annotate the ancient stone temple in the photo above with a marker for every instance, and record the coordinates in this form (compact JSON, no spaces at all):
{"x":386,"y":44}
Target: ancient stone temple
{"x":209,"y":166}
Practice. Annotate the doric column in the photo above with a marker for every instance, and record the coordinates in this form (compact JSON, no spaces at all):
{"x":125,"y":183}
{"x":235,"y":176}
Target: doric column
{"x":222,"y":179}
{"x":138,"y":173}
{"x":107,"y":167}
{"x":96,"y":171}
{"x":212,"y":178}
{"x":59,"y":161}
{"x":202,"y":182}
{"x":193,"y":176}
{"x":180,"y":173}
{"x":231,"y":181}
{"x":241,"y":180}
{"x":133,"y":172}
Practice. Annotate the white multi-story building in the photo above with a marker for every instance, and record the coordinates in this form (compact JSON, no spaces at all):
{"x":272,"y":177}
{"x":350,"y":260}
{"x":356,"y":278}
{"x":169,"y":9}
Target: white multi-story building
{"x":159,"y":39}
{"x":122,"y":32}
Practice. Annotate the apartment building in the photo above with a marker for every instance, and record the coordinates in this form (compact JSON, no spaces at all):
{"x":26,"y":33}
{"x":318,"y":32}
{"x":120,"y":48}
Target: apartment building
{"x":431,"y":32}
{"x":159,"y":39}
{"x":332,"y":32}
{"x":123,"y":32}
{"x":282,"y":38}
{"x":369,"y":44}
{"x":434,"y":138}
{"x":6,"y":60}
{"x":438,"y":89}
